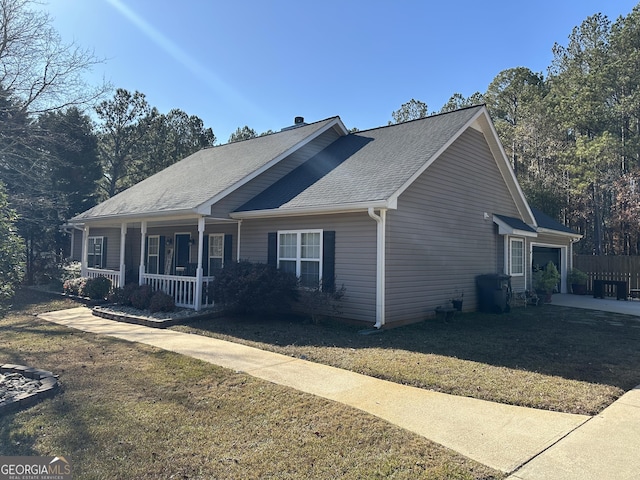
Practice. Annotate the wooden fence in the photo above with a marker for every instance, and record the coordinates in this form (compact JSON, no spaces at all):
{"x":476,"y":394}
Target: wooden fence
{"x":609,"y":267}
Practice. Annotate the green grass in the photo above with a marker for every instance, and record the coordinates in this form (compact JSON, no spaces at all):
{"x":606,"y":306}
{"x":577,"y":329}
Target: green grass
{"x":130,"y":411}
{"x":548,"y":357}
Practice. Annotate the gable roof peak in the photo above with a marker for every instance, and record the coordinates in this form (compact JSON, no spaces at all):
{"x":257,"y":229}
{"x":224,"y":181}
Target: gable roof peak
{"x":428,"y":117}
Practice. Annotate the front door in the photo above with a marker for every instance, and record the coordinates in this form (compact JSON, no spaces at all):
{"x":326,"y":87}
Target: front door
{"x":182,"y":253}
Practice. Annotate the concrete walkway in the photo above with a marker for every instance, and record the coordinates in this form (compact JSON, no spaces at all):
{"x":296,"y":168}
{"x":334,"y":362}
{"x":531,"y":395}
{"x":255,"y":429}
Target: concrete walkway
{"x":534,"y":444}
{"x":607,"y":304}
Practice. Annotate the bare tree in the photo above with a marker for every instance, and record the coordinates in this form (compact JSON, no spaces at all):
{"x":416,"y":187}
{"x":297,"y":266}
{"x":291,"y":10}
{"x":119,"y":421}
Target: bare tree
{"x":39,"y":70}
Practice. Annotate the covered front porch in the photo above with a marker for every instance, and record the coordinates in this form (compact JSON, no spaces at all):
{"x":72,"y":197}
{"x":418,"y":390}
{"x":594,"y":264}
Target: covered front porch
{"x":178,"y":256}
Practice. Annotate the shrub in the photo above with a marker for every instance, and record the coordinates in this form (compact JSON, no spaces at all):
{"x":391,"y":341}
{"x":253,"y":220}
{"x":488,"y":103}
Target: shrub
{"x":545,"y":279}
{"x":245,"y":287}
{"x":70,"y":271}
{"x":122,"y":295}
{"x":577,"y":277}
{"x":97,"y":288}
{"x":74,"y":286}
{"x":162,"y":302}
{"x":317,"y":303}
{"x":141,"y":297}
{"x":12,"y":257}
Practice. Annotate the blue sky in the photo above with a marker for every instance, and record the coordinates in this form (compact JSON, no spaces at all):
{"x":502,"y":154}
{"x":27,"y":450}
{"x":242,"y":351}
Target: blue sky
{"x":262,"y":62}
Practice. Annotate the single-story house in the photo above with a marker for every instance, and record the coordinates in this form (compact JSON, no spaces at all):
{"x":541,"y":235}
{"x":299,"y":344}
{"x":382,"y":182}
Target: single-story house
{"x":404,"y":216}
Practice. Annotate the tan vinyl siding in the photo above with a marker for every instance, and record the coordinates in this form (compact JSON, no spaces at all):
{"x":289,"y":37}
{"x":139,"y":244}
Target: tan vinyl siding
{"x":245,"y":193}
{"x":132,"y":248}
{"x":355,"y":261}
{"x":76,"y":254}
{"x":113,"y":245}
{"x":438,"y":240}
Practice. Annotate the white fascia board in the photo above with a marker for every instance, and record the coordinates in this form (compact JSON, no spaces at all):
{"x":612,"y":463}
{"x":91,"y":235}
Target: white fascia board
{"x":321,"y":210}
{"x":506,"y":229}
{"x":471,"y":123}
{"x":433,"y":158}
{"x":135,"y":217}
{"x":495,"y":145}
{"x":550,"y":231}
{"x":205,"y":208}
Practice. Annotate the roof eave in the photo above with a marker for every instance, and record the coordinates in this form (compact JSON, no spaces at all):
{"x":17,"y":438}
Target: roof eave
{"x":495,"y":145}
{"x":316,"y":210}
{"x":577,"y":236}
{"x":506,"y":229}
{"x":124,"y":218}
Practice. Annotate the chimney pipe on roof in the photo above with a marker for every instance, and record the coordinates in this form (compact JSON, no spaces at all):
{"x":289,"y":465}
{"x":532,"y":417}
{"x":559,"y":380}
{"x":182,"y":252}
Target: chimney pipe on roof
{"x":297,"y":122}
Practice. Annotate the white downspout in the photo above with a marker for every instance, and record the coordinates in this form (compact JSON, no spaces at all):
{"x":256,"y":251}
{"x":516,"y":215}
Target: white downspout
{"x":381,"y":221}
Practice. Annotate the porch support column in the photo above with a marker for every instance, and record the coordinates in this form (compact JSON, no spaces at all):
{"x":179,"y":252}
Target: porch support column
{"x":199,"y":270}
{"x":84,"y":261}
{"x":143,"y":238}
{"x":123,"y":237}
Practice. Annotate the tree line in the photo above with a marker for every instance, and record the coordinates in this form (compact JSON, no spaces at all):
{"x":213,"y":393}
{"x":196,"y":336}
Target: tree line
{"x":572,"y":135}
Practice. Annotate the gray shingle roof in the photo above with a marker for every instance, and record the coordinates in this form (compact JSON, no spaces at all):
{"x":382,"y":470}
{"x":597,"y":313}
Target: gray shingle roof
{"x":515,"y":223}
{"x":200,"y":177}
{"x":363,"y":167}
{"x":545,"y":221}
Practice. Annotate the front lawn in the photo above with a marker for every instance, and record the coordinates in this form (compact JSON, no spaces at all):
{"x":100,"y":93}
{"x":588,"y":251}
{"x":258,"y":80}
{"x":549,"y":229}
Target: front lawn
{"x":130,"y":411}
{"x":548,"y":357}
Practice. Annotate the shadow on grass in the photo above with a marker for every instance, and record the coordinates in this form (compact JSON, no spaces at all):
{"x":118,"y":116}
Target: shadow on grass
{"x":575,"y":344}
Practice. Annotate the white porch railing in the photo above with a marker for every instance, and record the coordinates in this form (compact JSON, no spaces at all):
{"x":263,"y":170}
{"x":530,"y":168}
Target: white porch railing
{"x":112,"y":275}
{"x":182,"y":289}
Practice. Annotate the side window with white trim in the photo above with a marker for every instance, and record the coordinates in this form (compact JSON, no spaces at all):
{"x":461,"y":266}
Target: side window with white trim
{"x":216,"y":252}
{"x":516,"y":247}
{"x":96,"y":253}
{"x":300,"y":253}
{"x":153,"y":254}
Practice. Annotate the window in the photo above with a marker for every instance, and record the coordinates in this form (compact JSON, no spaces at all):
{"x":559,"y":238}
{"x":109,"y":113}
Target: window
{"x":517,"y":257}
{"x":153,"y":254}
{"x":216,"y":252}
{"x":300,"y":253}
{"x":96,"y":252}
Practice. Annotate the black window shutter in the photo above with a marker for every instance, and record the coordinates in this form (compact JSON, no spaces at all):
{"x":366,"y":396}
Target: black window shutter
{"x":205,"y":256}
{"x":161,"y":254}
{"x":329,"y":261}
{"x":146,"y":249}
{"x":228,"y":249}
{"x":272,"y":250}
{"x":104,"y":252}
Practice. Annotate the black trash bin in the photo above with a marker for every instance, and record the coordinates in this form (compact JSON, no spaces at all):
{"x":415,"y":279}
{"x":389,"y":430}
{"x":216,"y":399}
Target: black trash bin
{"x":493,"y":292}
